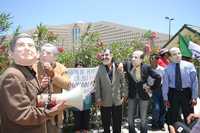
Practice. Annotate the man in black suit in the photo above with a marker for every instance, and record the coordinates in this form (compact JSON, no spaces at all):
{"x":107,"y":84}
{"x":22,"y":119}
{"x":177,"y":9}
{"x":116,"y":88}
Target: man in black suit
{"x":139,"y":90}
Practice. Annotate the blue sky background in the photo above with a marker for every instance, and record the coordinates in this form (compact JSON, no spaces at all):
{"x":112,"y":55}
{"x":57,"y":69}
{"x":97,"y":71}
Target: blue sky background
{"x":148,"y":14}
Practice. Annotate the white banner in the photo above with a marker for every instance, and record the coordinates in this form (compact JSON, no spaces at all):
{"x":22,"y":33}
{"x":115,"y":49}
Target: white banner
{"x":195,"y":48}
{"x":83,"y":77}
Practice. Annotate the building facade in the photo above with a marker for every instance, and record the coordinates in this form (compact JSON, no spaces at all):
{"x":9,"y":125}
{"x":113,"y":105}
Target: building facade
{"x":69,"y":35}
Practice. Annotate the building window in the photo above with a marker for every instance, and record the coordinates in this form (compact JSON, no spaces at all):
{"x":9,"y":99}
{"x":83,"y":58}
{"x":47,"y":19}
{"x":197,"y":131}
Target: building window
{"x":76,"y":34}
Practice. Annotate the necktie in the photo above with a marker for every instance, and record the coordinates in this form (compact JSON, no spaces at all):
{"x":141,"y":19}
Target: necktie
{"x":178,"y":80}
{"x":138,"y":73}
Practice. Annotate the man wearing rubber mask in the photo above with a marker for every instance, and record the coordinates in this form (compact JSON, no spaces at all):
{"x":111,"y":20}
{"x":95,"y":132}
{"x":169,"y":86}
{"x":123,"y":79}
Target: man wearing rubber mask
{"x":23,"y":51}
{"x":19,"y":89}
{"x":139,"y":91}
{"x":49,"y":68}
{"x":110,"y":93}
{"x":175,"y":55}
{"x":180,"y":87}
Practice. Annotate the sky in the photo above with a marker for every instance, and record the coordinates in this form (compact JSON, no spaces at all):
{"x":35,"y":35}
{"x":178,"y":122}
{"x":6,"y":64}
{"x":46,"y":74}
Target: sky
{"x":146,"y":14}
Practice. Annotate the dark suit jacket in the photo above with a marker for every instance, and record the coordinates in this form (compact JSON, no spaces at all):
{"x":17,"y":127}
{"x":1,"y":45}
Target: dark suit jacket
{"x":135,"y":86}
{"x":18,"y":95}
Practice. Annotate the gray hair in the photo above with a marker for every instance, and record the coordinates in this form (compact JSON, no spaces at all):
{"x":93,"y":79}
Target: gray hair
{"x":50,"y":48}
{"x":14,"y":40}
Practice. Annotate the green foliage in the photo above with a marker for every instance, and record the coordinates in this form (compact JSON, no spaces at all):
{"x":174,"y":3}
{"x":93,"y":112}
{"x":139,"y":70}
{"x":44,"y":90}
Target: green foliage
{"x":137,"y":45}
{"x":123,"y":50}
{"x":43,"y":35}
{"x":86,"y":52}
{"x":91,"y":45}
{"x":89,"y":48}
{"x":40,"y":34}
{"x":147,"y":34}
{"x":90,"y":38}
{"x":120,"y":51}
{"x":66,"y":58}
{"x":5,"y":22}
{"x":87,"y":55}
{"x":17,"y":31}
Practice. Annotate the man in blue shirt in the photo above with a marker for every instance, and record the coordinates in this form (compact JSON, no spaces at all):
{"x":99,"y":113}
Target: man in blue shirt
{"x":180,"y":86}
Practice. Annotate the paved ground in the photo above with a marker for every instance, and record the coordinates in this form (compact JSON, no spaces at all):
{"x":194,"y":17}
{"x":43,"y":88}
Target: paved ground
{"x":124,"y":130}
{"x":95,"y":129}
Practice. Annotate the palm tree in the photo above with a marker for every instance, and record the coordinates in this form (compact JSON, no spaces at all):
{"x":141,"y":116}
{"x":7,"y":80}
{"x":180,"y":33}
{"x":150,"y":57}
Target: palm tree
{"x":5,"y":22}
{"x":43,"y":35}
{"x":17,"y":31}
{"x":40,"y":35}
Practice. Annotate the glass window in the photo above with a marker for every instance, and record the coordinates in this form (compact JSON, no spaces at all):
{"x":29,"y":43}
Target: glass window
{"x":76,"y":34}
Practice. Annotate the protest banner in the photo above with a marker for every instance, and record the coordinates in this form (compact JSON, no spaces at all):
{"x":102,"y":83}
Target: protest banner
{"x":82,"y":77}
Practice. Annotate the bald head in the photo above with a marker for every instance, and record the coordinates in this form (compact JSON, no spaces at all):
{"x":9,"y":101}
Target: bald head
{"x":175,"y":55}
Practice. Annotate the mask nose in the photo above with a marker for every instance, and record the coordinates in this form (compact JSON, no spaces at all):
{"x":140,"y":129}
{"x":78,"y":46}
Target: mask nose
{"x":26,"y":47}
{"x":133,"y":58}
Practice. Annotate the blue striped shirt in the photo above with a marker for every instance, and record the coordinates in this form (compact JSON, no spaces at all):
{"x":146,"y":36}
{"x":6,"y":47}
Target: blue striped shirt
{"x":188,"y":76}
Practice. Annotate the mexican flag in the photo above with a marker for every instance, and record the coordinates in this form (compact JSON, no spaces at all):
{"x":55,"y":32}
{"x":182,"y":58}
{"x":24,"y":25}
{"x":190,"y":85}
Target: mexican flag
{"x":183,"y":45}
{"x":189,"y":48}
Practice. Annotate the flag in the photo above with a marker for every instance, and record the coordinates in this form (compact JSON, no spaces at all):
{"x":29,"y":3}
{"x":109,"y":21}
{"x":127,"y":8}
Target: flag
{"x":195,"y":49}
{"x":183,"y":45}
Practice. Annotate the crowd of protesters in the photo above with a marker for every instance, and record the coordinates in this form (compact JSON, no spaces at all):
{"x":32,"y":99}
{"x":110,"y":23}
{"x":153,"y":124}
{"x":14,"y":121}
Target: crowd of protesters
{"x":170,"y":82}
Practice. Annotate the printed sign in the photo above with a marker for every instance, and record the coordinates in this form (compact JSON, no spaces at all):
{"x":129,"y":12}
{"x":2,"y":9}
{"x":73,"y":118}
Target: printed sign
{"x":83,"y":77}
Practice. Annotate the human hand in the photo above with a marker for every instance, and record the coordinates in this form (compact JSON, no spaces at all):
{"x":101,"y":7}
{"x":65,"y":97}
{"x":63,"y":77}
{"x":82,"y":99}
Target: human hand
{"x":124,"y":99}
{"x":120,"y":68}
{"x":167,"y":104}
{"x":48,"y":68}
{"x":55,"y":110}
{"x":193,"y":102}
{"x":146,"y":88}
{"x":192,"y":117}
{"x":45,"y":82}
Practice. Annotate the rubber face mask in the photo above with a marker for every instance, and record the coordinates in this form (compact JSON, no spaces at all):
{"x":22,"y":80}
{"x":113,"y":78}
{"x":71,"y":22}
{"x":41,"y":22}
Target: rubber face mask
{"x":175,"y":55}
{"x":47,"y":57}
{"x":107,"y":57}
{"x":136,"y":60}
{"x":25,"y":52}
